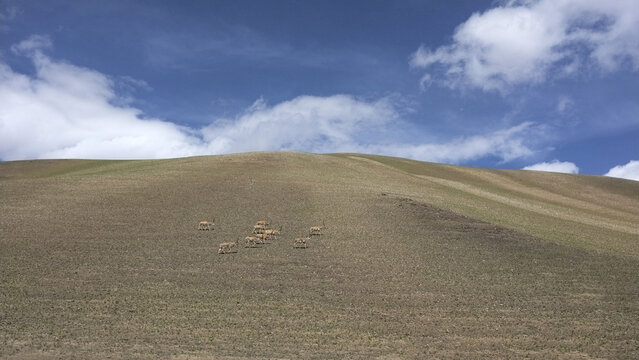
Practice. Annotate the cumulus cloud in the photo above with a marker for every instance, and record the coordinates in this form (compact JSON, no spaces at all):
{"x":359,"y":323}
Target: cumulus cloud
{"x":316,"y":124}
{"x":629,"y":171}
{"x":526,"y":42}
{"x":341,"y":123}
{"x":555,"y":166}
{"x":506,"y":144}
{"x":66,"y":111}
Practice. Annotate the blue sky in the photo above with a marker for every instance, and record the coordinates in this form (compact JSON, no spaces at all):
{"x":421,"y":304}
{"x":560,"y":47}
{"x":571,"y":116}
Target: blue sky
{"x":547,"y":85}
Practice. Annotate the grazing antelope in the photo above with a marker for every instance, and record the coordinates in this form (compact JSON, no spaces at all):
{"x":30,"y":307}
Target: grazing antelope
{"x":206,"y":225}
{"x":317,"y":230}
{"x":251,"y":241}
{"x":262,"y":222}
{"x":301,"y":242}
{"x":226,"y":246}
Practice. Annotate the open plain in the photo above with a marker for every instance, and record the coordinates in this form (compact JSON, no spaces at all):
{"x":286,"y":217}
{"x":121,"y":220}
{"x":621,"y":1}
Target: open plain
{"x":104,"y":259}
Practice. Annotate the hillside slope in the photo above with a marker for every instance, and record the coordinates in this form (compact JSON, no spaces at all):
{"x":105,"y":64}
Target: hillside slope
{"x":592,"y":212}
{"x":103,"y":258}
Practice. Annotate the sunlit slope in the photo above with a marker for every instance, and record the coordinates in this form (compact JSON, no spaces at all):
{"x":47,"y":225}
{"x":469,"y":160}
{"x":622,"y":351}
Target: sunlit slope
{"x":593,"y":212}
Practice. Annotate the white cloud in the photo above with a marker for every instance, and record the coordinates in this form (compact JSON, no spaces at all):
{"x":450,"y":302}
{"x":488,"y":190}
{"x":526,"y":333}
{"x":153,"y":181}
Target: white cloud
{"x":341,"y":123}
{"x":315,"y":124}
{"x":555,"y":166}
{"x":525,"y":42}
{"x":629,"y":171}
{"x":32,"y":46}
{"x":66,"y":111}
{"x":507,"y":144}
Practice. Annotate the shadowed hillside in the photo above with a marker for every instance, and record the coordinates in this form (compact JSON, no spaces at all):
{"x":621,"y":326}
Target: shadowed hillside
{"x":416,"y":260}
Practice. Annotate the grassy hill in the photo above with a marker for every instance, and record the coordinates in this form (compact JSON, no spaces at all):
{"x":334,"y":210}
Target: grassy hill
{"x":417,"y":260}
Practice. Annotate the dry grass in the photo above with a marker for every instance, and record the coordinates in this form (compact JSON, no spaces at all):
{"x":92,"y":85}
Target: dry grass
{"x":104,"y":259}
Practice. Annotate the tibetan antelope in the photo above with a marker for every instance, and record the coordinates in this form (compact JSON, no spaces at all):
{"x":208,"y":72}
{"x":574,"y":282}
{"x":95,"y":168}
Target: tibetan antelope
{"x":262,"y":222}
{"x":262,"y":238}
{"x":251,"y":241}
{"x":226,"y":246}
{"x":206,"y":225}
{"x":317,"y":230}
{"x":259,"y":229}
{"x":301,"y":242}
{"x":272,"y":233}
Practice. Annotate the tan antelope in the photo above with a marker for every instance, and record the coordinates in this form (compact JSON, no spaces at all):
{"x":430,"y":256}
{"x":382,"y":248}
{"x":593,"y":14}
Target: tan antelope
{"x":301,"y":242}
{"x":226,"y":246}
{"x":251,"y":241}
{"x":272,"y":233}
{"x":206,"y":225}
{"x":262,"y":238}
{"x":317,"y":230}
{"x":259,"y":229}
{"x":262,"y":222}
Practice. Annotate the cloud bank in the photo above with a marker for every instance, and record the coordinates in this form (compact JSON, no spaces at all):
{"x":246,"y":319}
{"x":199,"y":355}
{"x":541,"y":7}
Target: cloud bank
{"x":67,"y":111}
{"x":555,"y":166}
{"x":628,"y":171}
{"x":507,"y":145}
{"x":526,"y":42}
{"x":310,"y":123}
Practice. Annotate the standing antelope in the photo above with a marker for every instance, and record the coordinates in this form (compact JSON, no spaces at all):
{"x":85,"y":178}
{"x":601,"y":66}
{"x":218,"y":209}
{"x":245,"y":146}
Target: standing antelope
{"x":206,"y":225}
{"x":261,"y":238}
{"x":259,"y":229}
{"x":301,"y":242}
{"x":251,"y":241}
{"x":262,"y":222}
{"x":272,"y":233}
{"x":317,"y":230}
{"x":226,"y":246}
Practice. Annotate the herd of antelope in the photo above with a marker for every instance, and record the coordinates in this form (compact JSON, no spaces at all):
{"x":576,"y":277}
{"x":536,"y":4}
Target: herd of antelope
{"x":262,"y":233}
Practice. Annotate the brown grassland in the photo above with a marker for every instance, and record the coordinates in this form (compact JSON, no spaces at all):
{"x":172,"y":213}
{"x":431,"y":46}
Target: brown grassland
{"x":103,"y":259}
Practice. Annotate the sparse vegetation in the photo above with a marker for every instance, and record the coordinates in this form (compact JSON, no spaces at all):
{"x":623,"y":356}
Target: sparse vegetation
{"x":420,"y":260}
